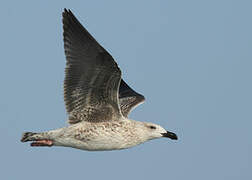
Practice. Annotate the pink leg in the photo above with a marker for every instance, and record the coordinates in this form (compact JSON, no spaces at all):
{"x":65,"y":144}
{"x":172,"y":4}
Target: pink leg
{"x":44,"y":142}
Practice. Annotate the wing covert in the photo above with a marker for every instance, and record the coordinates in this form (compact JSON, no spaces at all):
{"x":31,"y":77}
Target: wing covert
{"x":92,"y":77}
{"x":128,"y":98}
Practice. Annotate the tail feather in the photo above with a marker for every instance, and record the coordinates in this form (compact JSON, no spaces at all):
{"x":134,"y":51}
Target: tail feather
{"x":27,"y":136}
{"x":39,"y":139}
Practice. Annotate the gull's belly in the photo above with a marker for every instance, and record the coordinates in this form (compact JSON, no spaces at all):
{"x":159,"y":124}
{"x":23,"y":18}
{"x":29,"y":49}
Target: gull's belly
{"x":96,"y":144}
{"x":99,"y":136}
{"x":102,"y":142}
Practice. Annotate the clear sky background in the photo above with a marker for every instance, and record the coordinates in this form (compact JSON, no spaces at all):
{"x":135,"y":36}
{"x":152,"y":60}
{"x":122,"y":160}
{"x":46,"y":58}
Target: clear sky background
{"x":191,"y":59}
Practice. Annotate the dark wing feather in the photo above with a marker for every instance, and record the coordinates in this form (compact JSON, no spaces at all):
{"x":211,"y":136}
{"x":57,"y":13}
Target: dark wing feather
{"x":92,"y":77}
{"x":128,"y":98}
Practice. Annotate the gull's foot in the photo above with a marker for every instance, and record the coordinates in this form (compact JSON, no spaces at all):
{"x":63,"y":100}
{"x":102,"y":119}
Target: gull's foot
{"x":44,"y":142}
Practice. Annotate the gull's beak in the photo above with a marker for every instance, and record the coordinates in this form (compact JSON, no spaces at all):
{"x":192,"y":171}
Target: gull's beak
{"x":170,"y":135}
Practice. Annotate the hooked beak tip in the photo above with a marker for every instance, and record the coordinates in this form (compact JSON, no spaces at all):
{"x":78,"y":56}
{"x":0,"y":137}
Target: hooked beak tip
{"x":170,"y":135}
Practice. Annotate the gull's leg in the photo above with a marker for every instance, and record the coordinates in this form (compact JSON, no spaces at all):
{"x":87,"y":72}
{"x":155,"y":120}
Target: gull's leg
{"x":44,"y":142}
{"x":39,"y":139}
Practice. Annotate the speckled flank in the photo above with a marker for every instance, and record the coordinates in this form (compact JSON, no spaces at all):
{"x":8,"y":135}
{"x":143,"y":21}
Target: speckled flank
{"x":111,"y":135}
{"x":97,"y":100}
{"x":100,"y":136}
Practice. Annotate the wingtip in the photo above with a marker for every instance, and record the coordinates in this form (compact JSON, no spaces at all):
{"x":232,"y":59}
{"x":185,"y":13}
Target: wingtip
{"x":67,"y":11}
{"x":66,"y":15}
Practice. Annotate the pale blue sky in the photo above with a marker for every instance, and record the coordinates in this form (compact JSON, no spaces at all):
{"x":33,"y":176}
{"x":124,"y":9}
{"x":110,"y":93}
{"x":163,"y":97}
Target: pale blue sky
{"x":191,"y":59}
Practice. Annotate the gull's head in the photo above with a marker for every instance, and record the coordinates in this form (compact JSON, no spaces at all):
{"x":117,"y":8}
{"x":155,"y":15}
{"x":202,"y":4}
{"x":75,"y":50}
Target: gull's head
{"x":153,"y":131}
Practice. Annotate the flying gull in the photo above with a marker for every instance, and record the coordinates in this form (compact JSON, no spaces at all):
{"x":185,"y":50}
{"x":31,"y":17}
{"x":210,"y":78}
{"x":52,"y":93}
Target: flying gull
{"x":97,"y":100}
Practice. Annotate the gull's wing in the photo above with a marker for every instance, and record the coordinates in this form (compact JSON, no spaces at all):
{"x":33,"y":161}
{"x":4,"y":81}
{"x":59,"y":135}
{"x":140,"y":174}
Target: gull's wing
{"x":128,"y":98}
{"x":92,"y":77}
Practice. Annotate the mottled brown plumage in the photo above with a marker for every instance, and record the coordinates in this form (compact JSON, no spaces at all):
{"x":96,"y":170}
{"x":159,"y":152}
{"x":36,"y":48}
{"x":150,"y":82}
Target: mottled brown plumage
{"x":97,"y":100}
{"x":92,"y":78}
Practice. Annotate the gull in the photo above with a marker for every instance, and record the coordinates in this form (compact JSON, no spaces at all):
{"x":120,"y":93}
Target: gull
{"x":97,"y":100}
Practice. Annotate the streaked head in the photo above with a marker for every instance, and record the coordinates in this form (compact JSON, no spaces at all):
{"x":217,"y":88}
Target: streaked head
{"x":153,"y":131}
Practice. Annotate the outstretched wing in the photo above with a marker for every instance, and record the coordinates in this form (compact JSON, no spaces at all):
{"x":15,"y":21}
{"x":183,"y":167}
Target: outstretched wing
{"x":92,"y":77}
{"x":128,"y":98}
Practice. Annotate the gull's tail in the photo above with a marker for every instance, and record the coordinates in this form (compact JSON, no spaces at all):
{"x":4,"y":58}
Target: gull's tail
{"x":28,"y":136}
{"x":39,"y":139}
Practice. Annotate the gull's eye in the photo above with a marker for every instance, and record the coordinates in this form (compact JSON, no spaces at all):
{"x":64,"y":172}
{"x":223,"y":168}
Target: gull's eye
{"x":152,"y":127}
